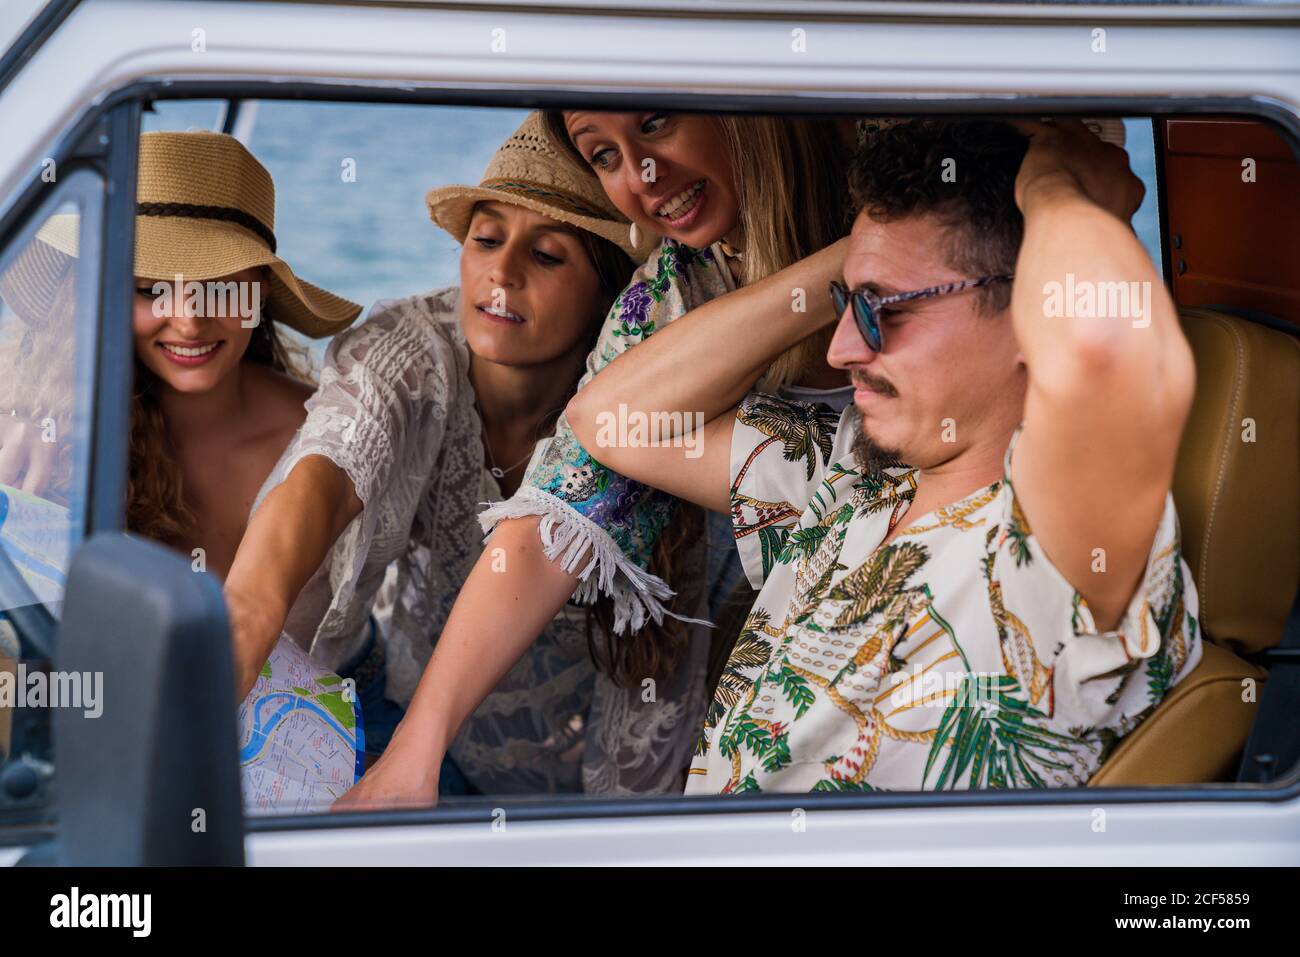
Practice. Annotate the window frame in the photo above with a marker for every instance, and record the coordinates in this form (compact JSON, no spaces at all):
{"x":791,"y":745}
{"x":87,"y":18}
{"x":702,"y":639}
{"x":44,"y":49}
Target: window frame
{"x":105,"y":142}
{"x":86,"y":163}
{"x":82,"y":187}
{"x":119,"y":222}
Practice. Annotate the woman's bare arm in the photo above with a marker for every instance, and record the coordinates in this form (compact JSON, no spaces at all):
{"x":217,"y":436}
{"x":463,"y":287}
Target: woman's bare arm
{"x":691,"y":375}
{"x":287,"y":539}
{"x":510,"y":597}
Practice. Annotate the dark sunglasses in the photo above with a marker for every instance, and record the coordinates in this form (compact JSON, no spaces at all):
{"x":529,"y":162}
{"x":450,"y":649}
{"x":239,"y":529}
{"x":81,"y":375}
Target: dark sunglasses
{"x":867,"y":305}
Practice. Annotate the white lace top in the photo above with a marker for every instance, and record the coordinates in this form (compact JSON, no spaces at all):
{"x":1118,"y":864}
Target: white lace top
{"x":395,"y":410}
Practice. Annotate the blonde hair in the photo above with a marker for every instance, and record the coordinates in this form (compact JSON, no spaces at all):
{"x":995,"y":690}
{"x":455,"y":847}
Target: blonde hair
{"x":791,"y":177}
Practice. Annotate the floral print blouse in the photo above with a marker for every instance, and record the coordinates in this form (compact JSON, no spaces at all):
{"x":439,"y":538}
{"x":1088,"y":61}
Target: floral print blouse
{"x":953,"y":656}
{"x":588,"y":508}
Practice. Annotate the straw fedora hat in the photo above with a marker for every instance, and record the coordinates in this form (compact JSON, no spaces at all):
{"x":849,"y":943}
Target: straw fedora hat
{"x":532,"y":171}
{"x":205,"y":208}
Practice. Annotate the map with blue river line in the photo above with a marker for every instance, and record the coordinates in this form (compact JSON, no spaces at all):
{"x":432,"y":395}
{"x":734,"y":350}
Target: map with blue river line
{"x":300,"y":736}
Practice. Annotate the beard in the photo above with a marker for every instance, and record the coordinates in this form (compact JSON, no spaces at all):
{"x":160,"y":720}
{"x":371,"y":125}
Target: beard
{"x":867,"y":453}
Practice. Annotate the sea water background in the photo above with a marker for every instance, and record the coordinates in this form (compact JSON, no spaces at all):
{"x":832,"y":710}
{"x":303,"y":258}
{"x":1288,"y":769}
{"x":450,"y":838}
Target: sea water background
{"x":371,"y":238}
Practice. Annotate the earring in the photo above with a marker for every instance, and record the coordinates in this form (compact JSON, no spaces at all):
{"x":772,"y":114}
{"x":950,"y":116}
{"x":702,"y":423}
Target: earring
{"x":634,"y":236}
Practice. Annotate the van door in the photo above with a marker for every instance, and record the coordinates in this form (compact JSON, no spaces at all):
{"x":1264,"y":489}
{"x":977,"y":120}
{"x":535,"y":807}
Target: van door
{"x":97,"y":641}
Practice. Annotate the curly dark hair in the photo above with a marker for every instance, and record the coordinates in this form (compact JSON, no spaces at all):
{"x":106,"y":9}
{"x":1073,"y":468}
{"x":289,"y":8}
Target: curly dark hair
{"x":900,"y":172}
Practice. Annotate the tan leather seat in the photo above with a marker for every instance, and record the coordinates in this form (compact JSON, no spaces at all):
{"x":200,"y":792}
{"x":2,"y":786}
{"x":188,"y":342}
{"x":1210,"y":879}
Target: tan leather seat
{"x":1237,"y":489}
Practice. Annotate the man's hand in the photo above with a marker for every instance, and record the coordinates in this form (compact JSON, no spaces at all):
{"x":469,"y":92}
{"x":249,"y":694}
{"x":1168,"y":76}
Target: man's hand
{"x":1068,"y":152}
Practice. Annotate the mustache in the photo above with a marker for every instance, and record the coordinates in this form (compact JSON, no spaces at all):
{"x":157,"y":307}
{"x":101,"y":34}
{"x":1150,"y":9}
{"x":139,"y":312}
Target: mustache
{"x":865,"y":380}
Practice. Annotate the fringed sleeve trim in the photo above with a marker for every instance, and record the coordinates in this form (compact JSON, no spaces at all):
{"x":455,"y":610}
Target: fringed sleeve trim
{"x":567,"y":537}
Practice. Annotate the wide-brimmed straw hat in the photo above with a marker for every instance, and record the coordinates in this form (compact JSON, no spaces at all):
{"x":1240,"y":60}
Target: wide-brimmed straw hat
{"x":205,"y":208}
{"x":532,"y":171}
{"x":40,"y":283}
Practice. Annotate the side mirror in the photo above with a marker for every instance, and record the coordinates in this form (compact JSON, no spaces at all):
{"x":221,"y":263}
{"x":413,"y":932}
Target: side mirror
{"x":153,"y":778}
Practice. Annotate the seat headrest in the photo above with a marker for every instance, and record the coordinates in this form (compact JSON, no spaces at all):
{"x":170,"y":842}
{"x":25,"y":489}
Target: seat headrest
{"x":1237,"y":482}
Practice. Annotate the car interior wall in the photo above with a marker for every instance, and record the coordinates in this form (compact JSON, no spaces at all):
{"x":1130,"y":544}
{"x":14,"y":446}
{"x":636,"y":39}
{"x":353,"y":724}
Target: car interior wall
{"x":1232,"y":199}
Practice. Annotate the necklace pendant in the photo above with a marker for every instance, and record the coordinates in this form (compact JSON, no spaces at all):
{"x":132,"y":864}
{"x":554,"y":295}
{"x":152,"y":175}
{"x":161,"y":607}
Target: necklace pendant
{"x":730,"y":251}
{"x":496,"y":472}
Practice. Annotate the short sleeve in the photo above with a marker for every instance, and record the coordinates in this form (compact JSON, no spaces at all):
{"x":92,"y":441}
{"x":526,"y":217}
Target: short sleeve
{"x":780,"y":452}
{"x":1082,"y":678}
{"x":384,"y":388}
{"x":597,"y":521}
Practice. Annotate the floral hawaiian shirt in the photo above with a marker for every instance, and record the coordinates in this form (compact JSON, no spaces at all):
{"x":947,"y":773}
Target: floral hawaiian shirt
{"x":953,"y":656}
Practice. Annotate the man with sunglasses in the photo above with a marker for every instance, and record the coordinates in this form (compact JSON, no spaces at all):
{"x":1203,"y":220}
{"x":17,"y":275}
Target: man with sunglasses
{"x":973,"y":578}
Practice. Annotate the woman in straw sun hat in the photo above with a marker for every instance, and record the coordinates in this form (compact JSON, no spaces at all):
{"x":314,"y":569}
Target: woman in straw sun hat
{"x":430,"y":407}
{"x":215,"y":399}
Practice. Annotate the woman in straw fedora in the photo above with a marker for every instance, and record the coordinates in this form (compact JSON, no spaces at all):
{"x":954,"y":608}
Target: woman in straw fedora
{"x":735,"y":199}
{"x":430,"y":407}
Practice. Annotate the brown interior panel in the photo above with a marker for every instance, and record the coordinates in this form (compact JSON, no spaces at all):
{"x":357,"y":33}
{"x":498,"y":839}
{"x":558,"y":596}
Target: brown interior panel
{"x":1232,"y":242}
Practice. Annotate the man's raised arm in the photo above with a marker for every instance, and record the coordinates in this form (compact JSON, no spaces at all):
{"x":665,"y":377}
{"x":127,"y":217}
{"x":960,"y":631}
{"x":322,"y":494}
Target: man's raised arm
{"x":1110,"y":374}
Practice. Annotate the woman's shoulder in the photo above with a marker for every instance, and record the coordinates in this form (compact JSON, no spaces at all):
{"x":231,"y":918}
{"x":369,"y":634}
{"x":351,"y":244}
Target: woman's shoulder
{"x":675,"y":279}
{"x":426,"y":313}
{"x":423,"y":329}
{"x":677,"y":271}
{"x":279,"y":397}
{"x":674,"y":259}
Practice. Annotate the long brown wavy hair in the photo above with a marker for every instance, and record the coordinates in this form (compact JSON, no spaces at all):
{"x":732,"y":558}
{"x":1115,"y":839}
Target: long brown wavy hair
{"x":155,"y":491}
{"x":790,"y":176}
